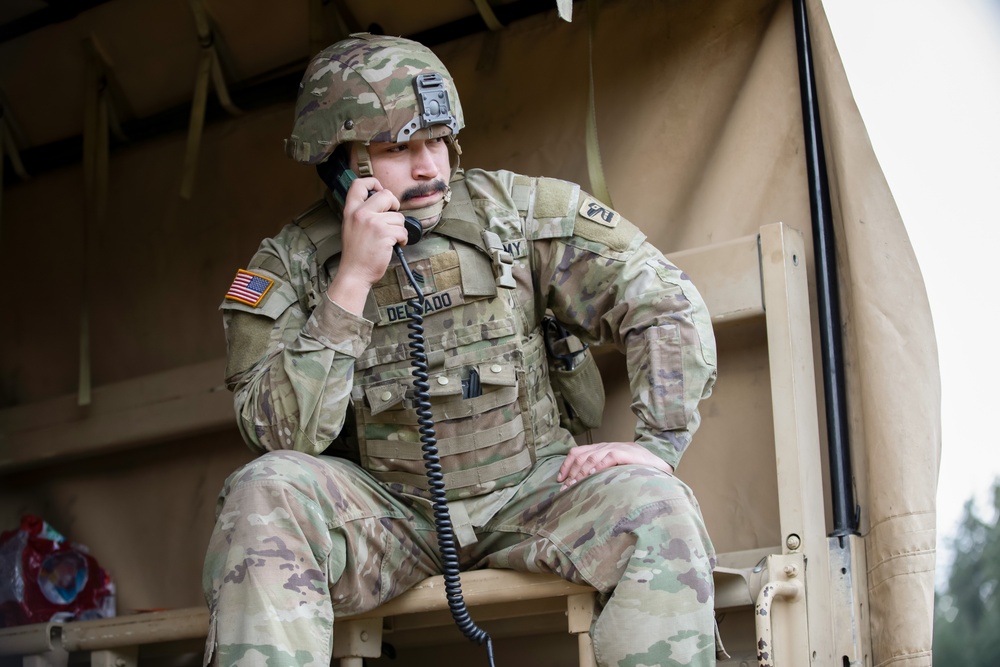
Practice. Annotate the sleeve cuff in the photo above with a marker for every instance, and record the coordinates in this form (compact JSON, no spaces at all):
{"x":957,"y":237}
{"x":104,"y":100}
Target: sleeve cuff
{"x":668,"y":445}
{"x":339,"y":329}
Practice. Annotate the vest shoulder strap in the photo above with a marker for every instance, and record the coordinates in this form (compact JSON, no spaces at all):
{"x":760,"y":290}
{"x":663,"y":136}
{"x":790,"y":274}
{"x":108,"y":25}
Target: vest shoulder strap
{"x":460,"y":221}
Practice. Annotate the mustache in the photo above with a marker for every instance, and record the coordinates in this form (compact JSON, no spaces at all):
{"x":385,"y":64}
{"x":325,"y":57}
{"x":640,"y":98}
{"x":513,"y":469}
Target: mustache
{"x":423,"y":190}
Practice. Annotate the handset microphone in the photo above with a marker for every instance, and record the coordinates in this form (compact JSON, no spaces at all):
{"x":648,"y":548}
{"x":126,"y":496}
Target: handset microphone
{"x":414,"y":230}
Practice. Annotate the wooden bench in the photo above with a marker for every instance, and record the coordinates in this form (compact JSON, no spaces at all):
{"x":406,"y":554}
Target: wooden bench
{"x":538,"y":601}
{"x":737,"y":279}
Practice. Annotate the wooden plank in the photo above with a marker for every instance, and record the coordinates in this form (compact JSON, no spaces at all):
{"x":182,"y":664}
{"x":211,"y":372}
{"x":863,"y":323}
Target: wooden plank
{"x":795,"y":409}
{"x":523,"y":609}
{"x":728,"y":277}
{"x":27,"y":639}
{"x":116,"y":397}
{"x":136,"y":629}
{"x":479,"y":587}
{"x":177,"y":403}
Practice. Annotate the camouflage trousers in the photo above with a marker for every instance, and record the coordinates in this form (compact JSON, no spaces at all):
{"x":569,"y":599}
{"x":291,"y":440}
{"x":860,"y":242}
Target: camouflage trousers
{"x":301,"y":538}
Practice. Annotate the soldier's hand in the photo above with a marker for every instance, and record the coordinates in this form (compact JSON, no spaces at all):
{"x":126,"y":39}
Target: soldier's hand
{"x":372,"y":226}
{"x":585,"y":460}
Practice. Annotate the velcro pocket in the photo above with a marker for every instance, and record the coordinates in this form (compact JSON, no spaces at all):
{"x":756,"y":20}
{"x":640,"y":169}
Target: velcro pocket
{"x":444,"y":384}
{"x":383,"y":395}
{"x":498,"y":372}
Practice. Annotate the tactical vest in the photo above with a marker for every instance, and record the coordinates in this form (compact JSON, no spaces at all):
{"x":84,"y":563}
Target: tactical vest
{"x":491,"y":399}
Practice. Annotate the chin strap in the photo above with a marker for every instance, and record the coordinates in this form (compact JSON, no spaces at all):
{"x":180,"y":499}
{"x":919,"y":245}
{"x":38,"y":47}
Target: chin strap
{"x":430,"y":215}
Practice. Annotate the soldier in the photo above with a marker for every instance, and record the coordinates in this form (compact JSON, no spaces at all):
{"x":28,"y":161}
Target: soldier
{"x":334,"y":516}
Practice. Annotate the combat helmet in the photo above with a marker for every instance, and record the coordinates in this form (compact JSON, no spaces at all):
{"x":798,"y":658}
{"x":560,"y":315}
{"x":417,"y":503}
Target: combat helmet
{"x":372,"y":88}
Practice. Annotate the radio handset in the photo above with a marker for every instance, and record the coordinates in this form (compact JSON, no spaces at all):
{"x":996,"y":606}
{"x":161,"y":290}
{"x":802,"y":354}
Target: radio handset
{"x":338,"y":176}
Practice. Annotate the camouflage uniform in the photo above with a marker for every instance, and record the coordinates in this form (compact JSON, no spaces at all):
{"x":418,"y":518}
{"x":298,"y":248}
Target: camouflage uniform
{"x":333,"y":518}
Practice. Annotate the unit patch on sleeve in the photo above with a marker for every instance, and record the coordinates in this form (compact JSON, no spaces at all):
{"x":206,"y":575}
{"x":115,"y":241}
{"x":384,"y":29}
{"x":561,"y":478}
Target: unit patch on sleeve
{"x":249,"y":287}
{"x":599,"y":213}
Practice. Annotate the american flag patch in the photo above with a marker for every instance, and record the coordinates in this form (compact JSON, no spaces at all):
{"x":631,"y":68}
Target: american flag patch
{"x":249,"y":287}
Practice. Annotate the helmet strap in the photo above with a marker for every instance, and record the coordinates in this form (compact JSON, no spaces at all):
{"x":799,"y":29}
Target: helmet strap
{"x":454,"y":155}
{"x":364,"y":160}
{"x":430,"y":215}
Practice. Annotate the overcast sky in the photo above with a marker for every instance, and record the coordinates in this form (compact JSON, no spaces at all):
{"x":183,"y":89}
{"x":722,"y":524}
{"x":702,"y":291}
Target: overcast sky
{"x":926,"y":77}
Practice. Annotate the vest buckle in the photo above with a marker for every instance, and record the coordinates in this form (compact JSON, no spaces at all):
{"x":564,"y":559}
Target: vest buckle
{"x":503,"y":261}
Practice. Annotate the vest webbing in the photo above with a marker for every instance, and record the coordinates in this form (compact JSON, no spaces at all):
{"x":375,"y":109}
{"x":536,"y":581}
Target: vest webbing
{"x":464,"y":478}
{"x":411,"y":451}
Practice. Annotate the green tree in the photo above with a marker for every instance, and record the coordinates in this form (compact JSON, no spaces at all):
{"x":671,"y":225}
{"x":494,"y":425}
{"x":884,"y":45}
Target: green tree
{"x":967,"y":611}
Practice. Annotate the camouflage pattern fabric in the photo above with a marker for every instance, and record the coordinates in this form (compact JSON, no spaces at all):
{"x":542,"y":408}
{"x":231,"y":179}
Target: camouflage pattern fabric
{"x":298,"y":363}
{"x":361,"y":89}
{"x":301,"y":539}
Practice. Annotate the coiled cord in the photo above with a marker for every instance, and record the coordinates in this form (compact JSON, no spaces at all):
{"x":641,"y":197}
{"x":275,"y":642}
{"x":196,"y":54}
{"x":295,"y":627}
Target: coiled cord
{"x":447,"y":545}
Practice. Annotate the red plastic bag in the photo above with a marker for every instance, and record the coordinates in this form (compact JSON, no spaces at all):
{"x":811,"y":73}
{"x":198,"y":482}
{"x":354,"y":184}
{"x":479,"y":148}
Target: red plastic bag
{"x":44,"y":577}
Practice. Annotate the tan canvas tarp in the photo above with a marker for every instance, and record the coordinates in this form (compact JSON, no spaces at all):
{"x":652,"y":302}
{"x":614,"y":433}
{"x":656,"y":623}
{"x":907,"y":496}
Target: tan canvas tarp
{"x":894,"y":377}
{"x":700,"y":126}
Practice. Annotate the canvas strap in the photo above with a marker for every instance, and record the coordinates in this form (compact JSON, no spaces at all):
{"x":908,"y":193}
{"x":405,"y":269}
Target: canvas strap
{"x":209,"y":71}
{"x":595,"y":168}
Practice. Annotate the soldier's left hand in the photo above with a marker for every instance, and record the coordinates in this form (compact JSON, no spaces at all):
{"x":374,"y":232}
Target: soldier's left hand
{"x":585,"y":460}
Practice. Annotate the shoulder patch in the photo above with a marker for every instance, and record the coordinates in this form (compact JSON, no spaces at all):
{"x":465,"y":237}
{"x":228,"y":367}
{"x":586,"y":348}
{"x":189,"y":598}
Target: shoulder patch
{"x":249,"y":287}
{"x":597,"y":212}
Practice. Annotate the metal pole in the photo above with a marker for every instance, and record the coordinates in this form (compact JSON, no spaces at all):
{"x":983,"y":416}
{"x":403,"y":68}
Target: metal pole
{"x":845,"y":519}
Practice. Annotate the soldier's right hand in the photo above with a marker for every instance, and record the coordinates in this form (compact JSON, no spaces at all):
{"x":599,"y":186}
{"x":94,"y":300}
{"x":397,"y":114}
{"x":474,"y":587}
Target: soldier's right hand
{"x":372,"y":226}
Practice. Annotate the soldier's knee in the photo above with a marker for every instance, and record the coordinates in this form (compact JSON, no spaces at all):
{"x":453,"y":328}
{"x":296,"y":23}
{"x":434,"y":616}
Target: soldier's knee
{"x":271,"y":466}
{"x":306,"y":474}
{"x":646,"y":501}
{"x":635,"y":485}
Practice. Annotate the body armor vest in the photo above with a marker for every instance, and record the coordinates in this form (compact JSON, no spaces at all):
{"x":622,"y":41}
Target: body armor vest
{"x":490,"y":395}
